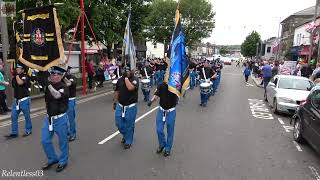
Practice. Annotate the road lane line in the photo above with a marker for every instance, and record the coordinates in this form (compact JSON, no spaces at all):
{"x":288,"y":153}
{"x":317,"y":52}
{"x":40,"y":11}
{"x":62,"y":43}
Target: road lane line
{"x":314,"y":172}
{"x":137,"y":120}
{"x":34,"y":115}
{"x":280,"y":120}
{"x":297,"y":146}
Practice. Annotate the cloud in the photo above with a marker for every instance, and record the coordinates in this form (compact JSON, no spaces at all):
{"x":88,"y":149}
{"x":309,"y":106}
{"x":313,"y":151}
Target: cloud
{"x":236,"y":19}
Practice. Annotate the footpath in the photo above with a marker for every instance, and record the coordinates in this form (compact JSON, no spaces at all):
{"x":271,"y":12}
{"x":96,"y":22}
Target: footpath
{"x":38,"y":103}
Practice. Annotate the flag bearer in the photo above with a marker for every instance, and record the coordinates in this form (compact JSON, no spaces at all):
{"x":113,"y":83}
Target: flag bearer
{"x":56,"y":120}
{"x":166,"y":115}
{"x":125,"y":105}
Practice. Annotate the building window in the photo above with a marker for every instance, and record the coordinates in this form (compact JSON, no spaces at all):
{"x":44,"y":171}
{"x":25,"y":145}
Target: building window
{"x":269,"y":49}
{"x":155,"y":45}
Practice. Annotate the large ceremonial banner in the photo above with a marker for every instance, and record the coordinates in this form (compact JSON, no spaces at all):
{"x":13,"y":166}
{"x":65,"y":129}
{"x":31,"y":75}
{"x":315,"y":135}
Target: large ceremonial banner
{"x":177,"y":75}
{"x":42,"y":43}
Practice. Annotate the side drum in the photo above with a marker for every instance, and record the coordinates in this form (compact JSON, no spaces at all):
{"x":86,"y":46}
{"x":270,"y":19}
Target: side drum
{"x":114,"y":83}
{"x":145,"y":84}
{"x":205,"y":88}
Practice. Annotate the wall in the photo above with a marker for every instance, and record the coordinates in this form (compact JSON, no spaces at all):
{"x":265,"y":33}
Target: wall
{"x":155,"y":50}
{"x":301,"y":36}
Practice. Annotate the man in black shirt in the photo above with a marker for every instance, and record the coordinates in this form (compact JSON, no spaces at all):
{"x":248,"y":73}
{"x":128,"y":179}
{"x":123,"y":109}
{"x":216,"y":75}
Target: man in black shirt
{"x":125,"y":99}
{"x":56,"y":98}
{"x":166,"y":114}
{"x":146,"y":73}
{"x":206,"y":75}
{"x":71,"y":81}
{"x":21,"y":102}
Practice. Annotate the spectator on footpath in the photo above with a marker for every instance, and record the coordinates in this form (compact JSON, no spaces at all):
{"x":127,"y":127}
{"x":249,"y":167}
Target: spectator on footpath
{"x":266,"y":74}
{"x":246,"y":73}
{"x":3,"y":83}
{"x":100,"y":75}
{"x":315,"y":72}
{"x":91,"y":74}
{"x":275,"y":69}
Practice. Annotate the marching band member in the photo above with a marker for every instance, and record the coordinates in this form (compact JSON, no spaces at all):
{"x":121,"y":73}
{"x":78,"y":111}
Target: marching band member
{"x":125,"y":100}
{"x":70,"y":81}
{"x":166,"y":115}
{"x":21,"y":102}
{"x":146,"y":73}
{"x":56,"y":121}
{"x":206,"y":75}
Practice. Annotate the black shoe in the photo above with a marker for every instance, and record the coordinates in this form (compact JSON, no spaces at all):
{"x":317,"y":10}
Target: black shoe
{"x":166,"y":154}
{"x":61,"y":167}
{"x":123,"y":141}
{"x":159,"y":150}
{"x":48,"y":166}
{"x":72,"y":138}
{"x":201,"y":104}
{"x":11,"y":136}
{"x":26,"y":134}
{"x":127,"y":146}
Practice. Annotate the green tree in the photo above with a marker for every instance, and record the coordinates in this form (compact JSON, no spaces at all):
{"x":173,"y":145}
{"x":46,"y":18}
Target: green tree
{"x":249,"y":46}
{"x":224,"y":50}
{"x":197,"y":20}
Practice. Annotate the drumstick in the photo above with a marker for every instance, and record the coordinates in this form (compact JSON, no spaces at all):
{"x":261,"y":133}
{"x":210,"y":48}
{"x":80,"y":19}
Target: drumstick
{"x":204,"y":74}
{"x":145,"y":71}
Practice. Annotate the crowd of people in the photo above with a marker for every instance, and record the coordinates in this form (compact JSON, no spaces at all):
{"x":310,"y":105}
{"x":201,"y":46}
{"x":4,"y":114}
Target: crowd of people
{"x":60,"y":100}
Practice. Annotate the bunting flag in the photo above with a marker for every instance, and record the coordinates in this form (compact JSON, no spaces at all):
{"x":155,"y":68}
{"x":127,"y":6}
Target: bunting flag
{"x":128,"y":49}
{"x":42,"y":45}
{"x":177,"y":75}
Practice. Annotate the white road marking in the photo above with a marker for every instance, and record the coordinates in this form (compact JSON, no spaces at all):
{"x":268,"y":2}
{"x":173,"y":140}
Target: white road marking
{"x":248,"y":84}
{"x":314,"y":172}
{"x":232,"y":74}
{"x":137,"y":120}
{"x":288,"y":128}
{"x":297,"y":146}
{"x":259,"y":110}
{"x":280,"y":120}
{"x":33,"y":115}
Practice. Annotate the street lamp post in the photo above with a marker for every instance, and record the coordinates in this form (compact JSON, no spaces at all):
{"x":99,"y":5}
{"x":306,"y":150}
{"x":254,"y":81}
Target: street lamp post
{"x":257,"y":50}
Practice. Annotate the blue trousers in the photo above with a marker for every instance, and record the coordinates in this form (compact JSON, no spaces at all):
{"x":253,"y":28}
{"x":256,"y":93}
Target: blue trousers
{"x":158,"y":77}
{"x":72,"y":118}
{"x":162,"y":74}
{"x":146,"y":94}
{"x":126,"y":125}
{"x":204,"y":98}
{"x":170,"y":121}
{"x":24,"y":106}
{"x":60,"y":127}
{"x":193,"y":76}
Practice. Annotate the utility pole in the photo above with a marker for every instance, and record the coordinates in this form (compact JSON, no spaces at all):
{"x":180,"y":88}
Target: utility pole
{"x":313,"y":31}
{"x":279,"y":40}
{"x":84,"y":80}
{"x":5,"y":51}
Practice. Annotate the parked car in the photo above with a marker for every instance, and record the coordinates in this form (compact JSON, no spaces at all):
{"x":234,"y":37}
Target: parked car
{"x":306,"y":121}
{"x":226,"y":60}
{"x":285,"y":92}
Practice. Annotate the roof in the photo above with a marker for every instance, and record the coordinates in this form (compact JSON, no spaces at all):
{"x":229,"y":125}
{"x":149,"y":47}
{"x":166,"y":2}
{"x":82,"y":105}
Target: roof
{"x":305,"y":12}
{"x":292,"y":77}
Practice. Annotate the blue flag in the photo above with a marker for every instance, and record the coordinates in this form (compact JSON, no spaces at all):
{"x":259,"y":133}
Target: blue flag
{"x":177,"y":76}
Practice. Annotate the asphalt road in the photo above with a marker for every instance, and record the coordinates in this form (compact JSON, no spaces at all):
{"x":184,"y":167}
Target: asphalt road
{"x":233,"y":138}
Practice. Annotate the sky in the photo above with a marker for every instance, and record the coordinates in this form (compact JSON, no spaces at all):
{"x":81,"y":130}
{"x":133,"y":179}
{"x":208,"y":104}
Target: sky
{"x":235,"y":19}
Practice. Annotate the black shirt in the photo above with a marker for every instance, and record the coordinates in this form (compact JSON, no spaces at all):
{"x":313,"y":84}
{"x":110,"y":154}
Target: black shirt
{"x":208,"y":71}
{"x":148,"y":69}
{"x":73,"y":87}
{"x":21,"y":91}
{"x":127,"y":97}
{"x":57,"y":106}
{"x":168,"y":99}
